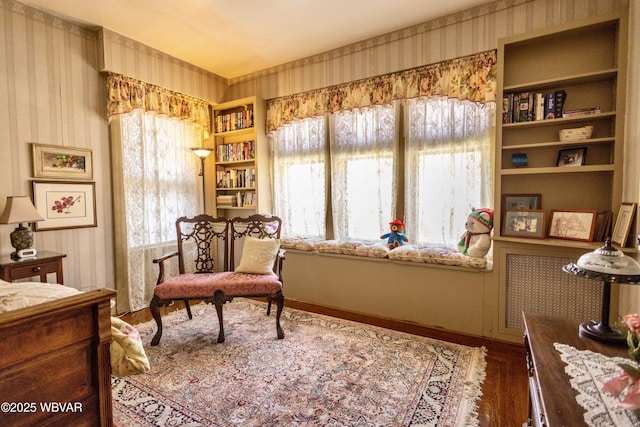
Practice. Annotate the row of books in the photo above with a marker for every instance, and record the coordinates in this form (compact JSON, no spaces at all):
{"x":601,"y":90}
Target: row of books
{"x":234,"y":121}
{"x":236,"y":151}
{"x":581,"y":112}
{"x":236,"y":178}
{"x":530,"y":106}
{"x":248,"y":199}
{"x":242,"y":200}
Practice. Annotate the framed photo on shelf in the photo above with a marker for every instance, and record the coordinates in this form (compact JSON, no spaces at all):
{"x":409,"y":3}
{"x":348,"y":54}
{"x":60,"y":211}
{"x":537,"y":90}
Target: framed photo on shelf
{"x":64,"y":204}
{"x":527,"y":223}
{"x":521,"y":201}
{"x":623,"y":224}
{"x":603,"y":226}
{"x":572,"y":157}
{"x":572,"y":225}
{"x":57,"y":161}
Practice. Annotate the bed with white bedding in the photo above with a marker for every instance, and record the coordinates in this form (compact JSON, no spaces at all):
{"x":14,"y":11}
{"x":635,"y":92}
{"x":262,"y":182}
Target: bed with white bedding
{"x":57,"y":349}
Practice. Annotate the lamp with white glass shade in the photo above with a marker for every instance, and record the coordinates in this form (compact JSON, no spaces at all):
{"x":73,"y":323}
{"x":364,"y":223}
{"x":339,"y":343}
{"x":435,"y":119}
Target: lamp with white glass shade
{"x":609,"y":265}
{"x":202,"y":154}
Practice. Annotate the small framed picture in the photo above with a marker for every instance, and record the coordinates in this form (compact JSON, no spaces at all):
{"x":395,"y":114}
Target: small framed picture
{"x":64,"y":204}
{"x":623,"y":223}
{"x":572,"y":225}
{"x":572,"y":157}
{"x":57,"y":161}
{"x":524,"y":223}
{"x":603,"y":226}
{"x":521,"y":201}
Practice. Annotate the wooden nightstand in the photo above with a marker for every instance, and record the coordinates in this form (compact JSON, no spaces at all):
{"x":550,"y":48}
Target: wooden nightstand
{"x":44,"y":263}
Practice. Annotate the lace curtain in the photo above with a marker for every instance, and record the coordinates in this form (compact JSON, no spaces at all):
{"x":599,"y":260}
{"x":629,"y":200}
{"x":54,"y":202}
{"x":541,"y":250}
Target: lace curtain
{"x":155,"y":182}
{"x":363,"y":149}
{"x":448,"y":166}
{"x":446,"y":160}
{"x":299,"y":156}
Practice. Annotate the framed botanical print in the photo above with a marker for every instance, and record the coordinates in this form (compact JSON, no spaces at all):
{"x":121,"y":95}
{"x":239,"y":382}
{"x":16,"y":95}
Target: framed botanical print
{"x":64,"y":204}
{"x":57,"y":161}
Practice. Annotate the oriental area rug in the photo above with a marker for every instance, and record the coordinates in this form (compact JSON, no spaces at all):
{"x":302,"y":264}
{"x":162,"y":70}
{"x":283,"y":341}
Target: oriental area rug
{"x":325,"y":372}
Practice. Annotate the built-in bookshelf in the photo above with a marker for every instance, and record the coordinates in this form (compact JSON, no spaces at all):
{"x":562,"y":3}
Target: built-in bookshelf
{"x":560,"y":134}
{"x":559,"y":147}
{"x":242,"y":180}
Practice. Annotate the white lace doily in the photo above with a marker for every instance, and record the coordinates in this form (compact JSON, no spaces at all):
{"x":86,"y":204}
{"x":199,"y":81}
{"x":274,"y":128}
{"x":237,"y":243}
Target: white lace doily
{"x":588,"y":371}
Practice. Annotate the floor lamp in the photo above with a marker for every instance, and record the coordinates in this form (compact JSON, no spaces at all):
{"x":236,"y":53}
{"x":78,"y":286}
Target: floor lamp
{"x":202,"y":154}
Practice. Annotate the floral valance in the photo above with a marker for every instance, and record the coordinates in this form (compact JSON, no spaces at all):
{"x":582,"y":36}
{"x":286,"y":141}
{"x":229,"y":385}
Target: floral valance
{"x":471,"y":78}
{"x":126,"y":94}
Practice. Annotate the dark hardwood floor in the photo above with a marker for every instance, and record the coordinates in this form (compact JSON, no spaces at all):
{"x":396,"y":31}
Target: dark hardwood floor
{"x":504,"y":401}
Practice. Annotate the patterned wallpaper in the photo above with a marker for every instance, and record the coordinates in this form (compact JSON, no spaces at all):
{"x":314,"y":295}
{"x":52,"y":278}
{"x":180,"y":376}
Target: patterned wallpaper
{"x":51,"y":93}
{"x":449,"y":37}
{"x":120,"y":55}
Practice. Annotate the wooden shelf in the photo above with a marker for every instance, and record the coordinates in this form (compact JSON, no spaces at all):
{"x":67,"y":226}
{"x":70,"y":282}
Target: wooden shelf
{"x":565,"y":121}
{"x":558,"y":170}
{"x":571,"y":80}
{"x":236,"y":189}
{"x":236,"y":132}
{"x":587,"y":246}
{"x":237,"y":162}
{"x":542,"y":145}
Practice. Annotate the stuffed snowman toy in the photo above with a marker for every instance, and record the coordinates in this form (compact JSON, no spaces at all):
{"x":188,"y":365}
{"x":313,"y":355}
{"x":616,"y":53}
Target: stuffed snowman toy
{"x":476,"y":241}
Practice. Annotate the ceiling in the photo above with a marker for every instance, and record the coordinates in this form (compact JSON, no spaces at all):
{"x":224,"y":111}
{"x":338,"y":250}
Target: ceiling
{"x":232,"y":38}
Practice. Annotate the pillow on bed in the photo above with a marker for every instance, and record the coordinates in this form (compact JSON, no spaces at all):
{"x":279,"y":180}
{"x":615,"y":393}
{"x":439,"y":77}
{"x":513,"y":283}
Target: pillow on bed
{"x":24,"y":294}
{"x":258,"y":255}
{"x":127,"y":353}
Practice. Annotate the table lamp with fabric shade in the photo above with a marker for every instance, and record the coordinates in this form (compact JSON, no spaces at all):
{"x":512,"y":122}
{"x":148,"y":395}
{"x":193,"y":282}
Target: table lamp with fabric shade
{"x":19,"y":210}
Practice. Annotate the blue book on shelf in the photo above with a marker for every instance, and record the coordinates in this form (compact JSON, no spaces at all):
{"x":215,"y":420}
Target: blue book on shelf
{"x":519,"y":160}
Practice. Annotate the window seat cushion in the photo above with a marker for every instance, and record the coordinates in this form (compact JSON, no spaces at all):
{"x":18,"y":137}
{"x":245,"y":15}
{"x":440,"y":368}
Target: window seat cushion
{"x":428,"y":254}
{"x":204,"y":285}
{"x":433,"y":254}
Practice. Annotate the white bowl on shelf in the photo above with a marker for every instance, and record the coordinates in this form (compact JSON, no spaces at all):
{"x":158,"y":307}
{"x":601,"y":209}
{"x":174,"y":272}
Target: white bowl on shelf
{"x":576,"y":134}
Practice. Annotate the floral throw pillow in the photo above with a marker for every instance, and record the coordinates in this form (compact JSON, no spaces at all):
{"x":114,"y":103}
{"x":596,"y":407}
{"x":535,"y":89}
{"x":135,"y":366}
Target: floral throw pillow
{"x":258,"y":255}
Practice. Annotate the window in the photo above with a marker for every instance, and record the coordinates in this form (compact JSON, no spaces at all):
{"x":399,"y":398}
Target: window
{"x":158,"y":183}
{"x":160,"y":176}
{"x":299,"y":153}
{"x":447,"y":171}
{"x":429,"y":170}
{"x":448,"y":167}
{"x":363,"y":145}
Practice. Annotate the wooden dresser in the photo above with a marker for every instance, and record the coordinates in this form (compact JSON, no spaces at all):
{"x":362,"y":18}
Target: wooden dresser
{"x":552,"y":400}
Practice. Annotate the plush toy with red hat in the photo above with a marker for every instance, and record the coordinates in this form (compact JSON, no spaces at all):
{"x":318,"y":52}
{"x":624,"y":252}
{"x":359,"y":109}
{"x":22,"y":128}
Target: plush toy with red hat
{"x":476,"y":241}
{"x":396,"y":236}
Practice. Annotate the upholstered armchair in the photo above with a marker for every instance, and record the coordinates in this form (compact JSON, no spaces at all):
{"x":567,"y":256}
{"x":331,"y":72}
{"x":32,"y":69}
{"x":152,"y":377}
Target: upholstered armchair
{"x":258,"y":273}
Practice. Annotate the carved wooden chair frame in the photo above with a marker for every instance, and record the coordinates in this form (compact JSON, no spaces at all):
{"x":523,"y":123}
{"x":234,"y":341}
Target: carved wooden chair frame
{"x":215,"y":287}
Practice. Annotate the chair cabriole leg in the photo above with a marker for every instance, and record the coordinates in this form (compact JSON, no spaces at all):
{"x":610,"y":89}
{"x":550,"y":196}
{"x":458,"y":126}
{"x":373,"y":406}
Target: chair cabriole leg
{"x":280,"y":305}
{"x":154,"y":306}
{"x":218,"y":301}
{"x":188,"y":307}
